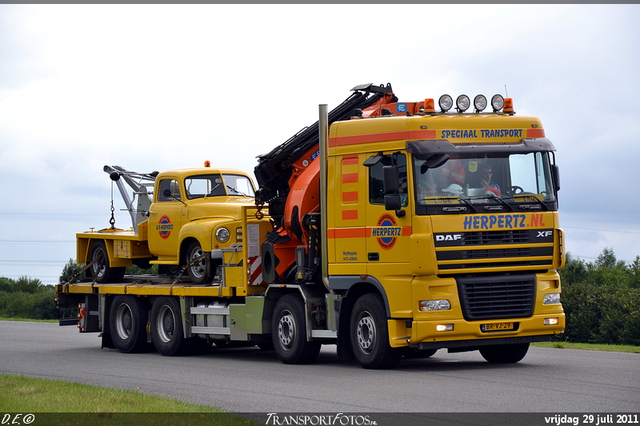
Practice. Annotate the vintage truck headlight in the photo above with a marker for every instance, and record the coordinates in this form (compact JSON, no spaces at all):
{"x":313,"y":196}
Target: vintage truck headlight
{"x":222,"y":235}
{"x":551,"y":299}
{"x":435,"y":305}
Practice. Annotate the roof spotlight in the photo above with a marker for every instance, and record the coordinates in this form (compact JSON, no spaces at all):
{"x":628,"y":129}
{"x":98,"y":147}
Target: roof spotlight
{"x":480,"y":103}
{"x":445,"y":102}
{"x":497,"y":102}
{"x":463,"y":103}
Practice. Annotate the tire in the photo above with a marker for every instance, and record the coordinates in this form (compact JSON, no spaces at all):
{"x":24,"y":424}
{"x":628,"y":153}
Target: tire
{"x":166,"y":327}
{"x":198,"y":272}
{"x":504,"y":354}
{"x":288,"y":331}
{"x":370,"y":336}
{"x":171,"y":270}
{"x":100,"y":270}
{"x":128,"y":319}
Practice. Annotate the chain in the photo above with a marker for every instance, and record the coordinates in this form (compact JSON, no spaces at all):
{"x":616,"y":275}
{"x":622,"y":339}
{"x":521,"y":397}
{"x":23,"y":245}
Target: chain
{"x":112,"y":221}
{"x":259,"y":213}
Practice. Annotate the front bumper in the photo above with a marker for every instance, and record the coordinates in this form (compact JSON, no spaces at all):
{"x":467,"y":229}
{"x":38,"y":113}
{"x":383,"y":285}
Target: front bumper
{"x":465,"y":334}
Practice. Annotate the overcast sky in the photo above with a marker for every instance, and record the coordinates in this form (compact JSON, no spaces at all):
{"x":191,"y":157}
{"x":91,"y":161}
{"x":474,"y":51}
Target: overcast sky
{"x":154,"y":87}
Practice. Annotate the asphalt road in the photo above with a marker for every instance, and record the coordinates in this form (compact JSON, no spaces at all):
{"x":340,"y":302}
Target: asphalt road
{"x":249,"y":380}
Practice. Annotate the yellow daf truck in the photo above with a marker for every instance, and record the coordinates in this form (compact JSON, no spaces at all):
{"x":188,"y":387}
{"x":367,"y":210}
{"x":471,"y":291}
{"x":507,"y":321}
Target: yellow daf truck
{"x":390,"y":229}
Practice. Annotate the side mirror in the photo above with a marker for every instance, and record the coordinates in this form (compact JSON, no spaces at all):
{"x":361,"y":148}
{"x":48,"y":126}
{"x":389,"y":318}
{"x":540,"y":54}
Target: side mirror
{"x":437,"y":160}
{"x":391,"y":184}
{"x":390,"y":180}
{"x":392,"y":202}
{"x":555,"y":172}
{"x":434,"y":162}
{"x":167,"y":193}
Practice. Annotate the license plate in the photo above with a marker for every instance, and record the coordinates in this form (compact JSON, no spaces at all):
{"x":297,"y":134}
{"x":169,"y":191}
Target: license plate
{"x":498,"y":326}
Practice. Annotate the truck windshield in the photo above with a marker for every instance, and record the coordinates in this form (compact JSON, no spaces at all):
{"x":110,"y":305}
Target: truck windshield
{"x":484,"y":182}
{"x":216,"y":185}
{"x":238,"y":185}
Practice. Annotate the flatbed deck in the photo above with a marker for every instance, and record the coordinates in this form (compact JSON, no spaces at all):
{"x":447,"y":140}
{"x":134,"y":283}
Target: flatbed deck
{"x":145,"y":285}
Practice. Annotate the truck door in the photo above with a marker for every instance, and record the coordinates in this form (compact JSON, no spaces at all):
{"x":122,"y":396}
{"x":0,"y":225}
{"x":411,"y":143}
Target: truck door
{"x":165,"y":220}
{"x":387,"y":234}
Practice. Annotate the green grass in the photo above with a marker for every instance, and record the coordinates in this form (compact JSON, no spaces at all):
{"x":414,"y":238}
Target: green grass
{"x":74,"y":402}
{"x":589,"y":347}
{"x":26,"y":320}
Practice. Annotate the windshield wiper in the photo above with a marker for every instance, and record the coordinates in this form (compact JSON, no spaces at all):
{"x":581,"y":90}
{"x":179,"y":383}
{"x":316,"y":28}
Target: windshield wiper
{"x":236,"y":191}
{"x":473,"y":209}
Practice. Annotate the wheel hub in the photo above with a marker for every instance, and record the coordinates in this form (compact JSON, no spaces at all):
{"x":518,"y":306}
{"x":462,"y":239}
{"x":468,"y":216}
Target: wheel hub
{"x":366,"y":333}
{"x":166,"y":324}
{"x":124,"y":321}
{"x":199,"y":268}
{"x":286,"y":330}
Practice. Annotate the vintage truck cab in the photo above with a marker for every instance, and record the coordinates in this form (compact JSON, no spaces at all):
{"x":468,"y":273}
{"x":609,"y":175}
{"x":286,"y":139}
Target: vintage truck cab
{"x":187,"y":220}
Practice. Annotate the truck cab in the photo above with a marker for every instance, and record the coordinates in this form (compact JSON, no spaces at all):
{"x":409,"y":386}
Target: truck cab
{"x":452,"y":219}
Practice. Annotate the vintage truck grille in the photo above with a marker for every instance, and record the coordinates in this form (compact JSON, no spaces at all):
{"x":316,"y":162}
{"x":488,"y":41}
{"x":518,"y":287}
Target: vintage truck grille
{"x":496,"y":297}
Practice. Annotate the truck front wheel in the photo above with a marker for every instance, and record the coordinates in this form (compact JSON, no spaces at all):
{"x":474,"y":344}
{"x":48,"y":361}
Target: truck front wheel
{"x":289,"y":332}
{"x":504,"y":354}
{"x":198,"y":271}
{"x":166,"y":326}
{"x":370,"y":336}
{"x":128,"y":323}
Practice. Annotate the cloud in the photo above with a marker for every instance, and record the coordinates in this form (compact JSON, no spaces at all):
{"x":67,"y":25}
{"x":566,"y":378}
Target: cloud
{"x":153,"y":87}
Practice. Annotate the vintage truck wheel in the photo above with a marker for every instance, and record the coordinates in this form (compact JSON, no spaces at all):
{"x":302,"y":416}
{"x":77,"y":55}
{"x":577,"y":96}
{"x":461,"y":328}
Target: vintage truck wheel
{"x":289,"y":332}
{"x":504,"y":354}
{"x":370,"y":336}
{"x":166,"y":327}
{"x":101,"y":270}
{"x":199,"y":272}
{"x":128,"y":323}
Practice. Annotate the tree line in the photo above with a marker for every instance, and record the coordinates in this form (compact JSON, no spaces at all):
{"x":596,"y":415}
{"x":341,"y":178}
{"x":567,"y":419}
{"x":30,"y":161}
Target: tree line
{"x":29,"y":298}
{"x":601,"y":299}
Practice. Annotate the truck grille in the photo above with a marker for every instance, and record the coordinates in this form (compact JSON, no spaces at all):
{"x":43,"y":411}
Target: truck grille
{"x":496,"y":297}
{"x":460,"y":251}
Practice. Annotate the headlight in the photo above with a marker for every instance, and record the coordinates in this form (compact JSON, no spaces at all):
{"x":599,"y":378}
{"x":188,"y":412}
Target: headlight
{"x":445,"y":102}
{"x":222,"y":235}
{"x":551,"y":299}
{"x":435,"y":305}
{"x":462,"y":103}
{"x":480,"y":103}
{"x":497,"y":102}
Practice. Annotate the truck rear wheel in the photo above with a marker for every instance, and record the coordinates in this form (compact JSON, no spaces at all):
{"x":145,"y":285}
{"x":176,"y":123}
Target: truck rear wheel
{"x":199,"y":271}
{"x":289,"y":332}
{"x":166,"y":327}
{"x":128,"y":318}
{"x":100,"y":270}
{"x":504,"y":354}
{"x":370,"y":336}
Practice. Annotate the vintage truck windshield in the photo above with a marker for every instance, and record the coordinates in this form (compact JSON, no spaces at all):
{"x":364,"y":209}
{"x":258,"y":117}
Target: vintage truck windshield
{"x":216,"y":185}
{"x":481,"y":182}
